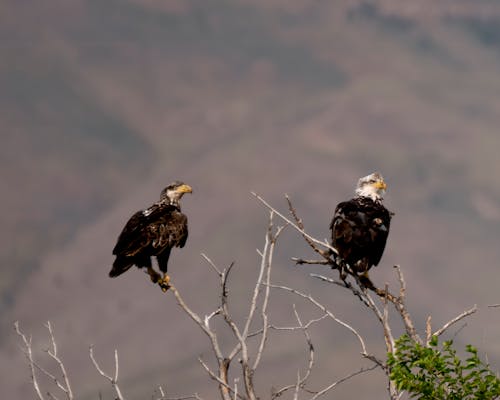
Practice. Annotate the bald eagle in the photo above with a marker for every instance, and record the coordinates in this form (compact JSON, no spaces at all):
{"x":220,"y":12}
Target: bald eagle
{"x":153,"y":232}
{"x":360,"y":227}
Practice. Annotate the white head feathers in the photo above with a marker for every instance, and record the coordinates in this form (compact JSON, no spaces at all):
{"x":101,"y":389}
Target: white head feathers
{"x":372,"y":186}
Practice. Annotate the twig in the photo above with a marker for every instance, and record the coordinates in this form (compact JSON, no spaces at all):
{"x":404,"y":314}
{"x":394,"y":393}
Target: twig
{"x":301,"y":261}
{"x":301,"y":382}
{"x":297,"y":387}
{"x":326,"y":311}
{"x":268,"y":262}
{"x":345,"y":378}
{"x":400,"y":305}
{"x":307,"y":238}
{"x":216,"y":378}
{"x":223,"y":365}
{"x":194,"y":396}
{"x":466,"y":313}
{"x":309,"y":345}
{"x":29,"y":355}
{"x":67,"y":388}
{"x":324,"y":244}
{"x":112,"y":380}
{"x":211,"y":263}
{"x":344,"y":284}
{"x":389,"y":339}
{"x":428,"y":329}
{"x":235,"y":388}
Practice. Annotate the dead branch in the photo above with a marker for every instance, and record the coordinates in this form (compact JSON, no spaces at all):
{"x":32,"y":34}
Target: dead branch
{"x":259,"y":299}
{"x":28,"y":351}
{"x":463,"y":315}
{"x":53,"y":353}
{"x":301,"y":382}
{"x":65,"y":386}
{"x":113,"y":380}
{"x":223,"y":365}
{"x":301,"y":231}
{"x":345,"y":378}
{"x":301,"y":261}
{"x":309,"y":239}
{"x":163,"y":396}
{"x":361,"y":341}
{"x":222,"y":381}
{"x":267,"y":261}
{"x":428,"y":330}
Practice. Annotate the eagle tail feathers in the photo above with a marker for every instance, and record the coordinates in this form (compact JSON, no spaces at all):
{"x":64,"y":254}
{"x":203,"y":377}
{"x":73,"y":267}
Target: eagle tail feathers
{"x":120,"y":265}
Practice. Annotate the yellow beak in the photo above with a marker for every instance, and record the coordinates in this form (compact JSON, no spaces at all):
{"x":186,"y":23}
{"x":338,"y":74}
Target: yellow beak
{"x":380,"y":185}
{"x":184,"y":189}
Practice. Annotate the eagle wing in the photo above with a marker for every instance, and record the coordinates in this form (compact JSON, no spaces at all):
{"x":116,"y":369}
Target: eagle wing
{"x":359,"y":231}
{"x":135,"y":236}
{"x":152,"y":232}
{"x":170,"y":231}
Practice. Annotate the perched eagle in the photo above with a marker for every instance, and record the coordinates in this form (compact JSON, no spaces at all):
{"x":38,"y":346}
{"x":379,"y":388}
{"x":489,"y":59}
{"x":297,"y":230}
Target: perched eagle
{"x":153,"y":232}
{"x":360,"y":227}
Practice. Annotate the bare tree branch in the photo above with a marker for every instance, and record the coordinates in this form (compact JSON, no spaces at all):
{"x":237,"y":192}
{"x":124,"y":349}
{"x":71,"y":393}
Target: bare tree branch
{"x":214,"y":376}
{"x":222,"y":363}
{"x":301,"y":231}
{"x":29,"y":355}
{"x":52,"y":352}
{"x":428,"y":330}
{"x":301,"y":261}
{"x":328,"y":312}
{"x":211,"y":263}
{"x":112,"y":380}
{"x":300,"y":383}
{"x":465,"y":314}
{"x":297,"y":387}
{"x":267,"y":260}
{"x":345,"y":378}
{"x":309,"y":239}
{"x":163,"y":396}
{"x":67,"y":387}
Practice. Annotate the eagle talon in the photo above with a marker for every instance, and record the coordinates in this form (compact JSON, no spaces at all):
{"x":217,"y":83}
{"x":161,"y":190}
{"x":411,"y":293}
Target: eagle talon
{"x":367,"y":283}
{"x":164,"y":283}
{"x":165,"y":288}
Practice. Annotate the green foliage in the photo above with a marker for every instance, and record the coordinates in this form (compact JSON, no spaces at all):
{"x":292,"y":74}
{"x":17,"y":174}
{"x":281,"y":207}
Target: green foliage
{"x":431,"y":372}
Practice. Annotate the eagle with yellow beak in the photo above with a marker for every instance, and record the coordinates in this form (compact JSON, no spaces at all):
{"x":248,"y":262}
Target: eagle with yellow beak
{"x":153,"y":232}
{"x":360,"y":227}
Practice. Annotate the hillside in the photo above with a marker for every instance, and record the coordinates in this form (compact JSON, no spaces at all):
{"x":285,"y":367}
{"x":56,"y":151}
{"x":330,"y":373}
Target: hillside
{"x":104,"y":103}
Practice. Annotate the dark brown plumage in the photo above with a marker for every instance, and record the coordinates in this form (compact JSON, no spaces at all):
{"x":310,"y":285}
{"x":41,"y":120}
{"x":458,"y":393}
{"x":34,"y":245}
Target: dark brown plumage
{"x":360,"y":226}
{"x":153,"y":232}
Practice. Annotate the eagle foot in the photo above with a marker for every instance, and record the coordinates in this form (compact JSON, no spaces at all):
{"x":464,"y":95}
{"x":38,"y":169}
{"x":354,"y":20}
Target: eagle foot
{"x":365,"y":280}
{"x":164,"y":283}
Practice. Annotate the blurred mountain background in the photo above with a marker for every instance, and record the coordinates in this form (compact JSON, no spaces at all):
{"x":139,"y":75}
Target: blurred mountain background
{"x":103,"y":103}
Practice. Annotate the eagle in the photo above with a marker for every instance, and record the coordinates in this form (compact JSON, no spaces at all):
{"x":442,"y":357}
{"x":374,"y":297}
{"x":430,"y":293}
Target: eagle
{"x":153,"y":232}
{"x":360,"y":227}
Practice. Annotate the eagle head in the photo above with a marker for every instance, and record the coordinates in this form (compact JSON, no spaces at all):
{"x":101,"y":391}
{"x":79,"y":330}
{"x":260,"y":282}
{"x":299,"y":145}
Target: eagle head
{"x":372,"y":186}
{"x":173,"y":192}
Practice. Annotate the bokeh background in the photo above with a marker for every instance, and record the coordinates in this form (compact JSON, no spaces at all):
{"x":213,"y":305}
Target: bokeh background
{"x":103,"y":103}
